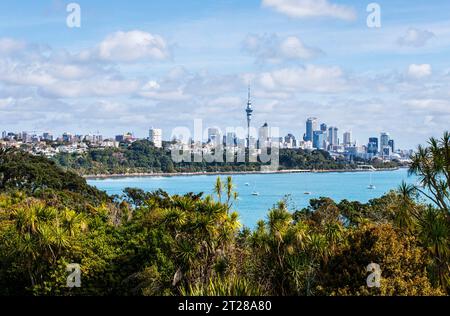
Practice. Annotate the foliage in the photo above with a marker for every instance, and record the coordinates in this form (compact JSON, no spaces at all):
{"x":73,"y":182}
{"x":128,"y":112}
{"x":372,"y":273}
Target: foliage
{"x":153,"y":243}
{"x":142,"y":157}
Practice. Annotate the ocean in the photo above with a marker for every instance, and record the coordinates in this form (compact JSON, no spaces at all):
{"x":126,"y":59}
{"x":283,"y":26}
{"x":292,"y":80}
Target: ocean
{"x":259,"y":192}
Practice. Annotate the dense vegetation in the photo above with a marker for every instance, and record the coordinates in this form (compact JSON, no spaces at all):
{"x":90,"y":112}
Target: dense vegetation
{"x":142,"y":157}
{"x":151,"y":243}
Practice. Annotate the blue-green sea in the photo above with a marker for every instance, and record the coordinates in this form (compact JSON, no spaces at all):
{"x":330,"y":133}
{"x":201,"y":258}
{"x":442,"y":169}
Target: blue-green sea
{"x":271,"y":188}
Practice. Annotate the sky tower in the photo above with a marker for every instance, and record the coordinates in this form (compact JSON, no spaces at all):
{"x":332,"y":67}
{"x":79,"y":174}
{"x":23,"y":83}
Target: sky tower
{"x":249,"y":112}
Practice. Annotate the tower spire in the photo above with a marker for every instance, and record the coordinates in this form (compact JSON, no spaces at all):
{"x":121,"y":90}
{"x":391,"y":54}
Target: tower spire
{"x":249,"y":112}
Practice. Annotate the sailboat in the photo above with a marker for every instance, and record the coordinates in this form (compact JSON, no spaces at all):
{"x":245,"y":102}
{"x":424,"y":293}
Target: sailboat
{"x":371,"y":186}
{"x":255,"y":193}
{"x":307,"y":192}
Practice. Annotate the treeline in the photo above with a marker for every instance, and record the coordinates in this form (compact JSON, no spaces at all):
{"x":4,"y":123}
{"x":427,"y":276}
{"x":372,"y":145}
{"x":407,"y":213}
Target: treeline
{"x":142,"y":157}
{"x":151,"y":243}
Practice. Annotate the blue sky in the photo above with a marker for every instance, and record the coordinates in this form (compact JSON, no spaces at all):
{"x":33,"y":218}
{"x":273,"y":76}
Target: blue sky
{"x":136,"y":64}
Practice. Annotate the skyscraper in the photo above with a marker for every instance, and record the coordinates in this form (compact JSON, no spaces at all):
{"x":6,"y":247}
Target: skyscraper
{"x":290,"y":141}
{"x":249,"y":112}
{"x":155,"y":136}
{"x":392,"y":144}
{"x":230,"y":140}
{"x":384,"y":144}
{"x":263,"y":135}
{"x":333,"y":136}
{"x":311,"y":126}
{"x":347,"y":138}
{"x":214,"y":135}
{"x":319,"y":139}
{"x":384,"y":140}
{"x":372,"y":147}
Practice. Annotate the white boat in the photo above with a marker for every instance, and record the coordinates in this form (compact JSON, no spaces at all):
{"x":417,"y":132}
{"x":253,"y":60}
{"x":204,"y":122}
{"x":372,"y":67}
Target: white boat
{"x":371,"y":186}
{"x":247,"y":184}
{"x":255,"y":193}
{"x":307,"y":193}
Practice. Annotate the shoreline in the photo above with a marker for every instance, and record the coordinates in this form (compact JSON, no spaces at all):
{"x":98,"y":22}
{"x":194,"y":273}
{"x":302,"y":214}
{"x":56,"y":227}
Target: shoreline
{"x":223,"y":173}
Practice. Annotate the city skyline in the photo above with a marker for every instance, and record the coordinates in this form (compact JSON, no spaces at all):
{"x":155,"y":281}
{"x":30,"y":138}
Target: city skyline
{"x":167,"y":64}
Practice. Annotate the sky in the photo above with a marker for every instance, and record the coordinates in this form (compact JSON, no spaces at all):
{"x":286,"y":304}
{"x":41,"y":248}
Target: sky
{"x":133,"y":65}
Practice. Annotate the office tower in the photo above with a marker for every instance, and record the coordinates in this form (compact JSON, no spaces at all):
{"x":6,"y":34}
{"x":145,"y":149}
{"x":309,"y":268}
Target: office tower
{"x":311,"y":126}
{"x":155,"y":136}
{"x":214,"y":135}
{"x":384,"y":144}
{"x":230,"y":139}
{"x":290,"y":141}
{"x":67,"y":137}
{"x":347,"y":138}
{"x":47,"y":136}
{"x":249,"y":111}
{"x":323,"y":127}
{"x":391,"y":144}
{"x":384,"y":140}
{"x":4,"y":134}
{"x":333,"y":136}
{"x":263,"y":135}
{"x":319,"y":140}
{"x":372,"y":147}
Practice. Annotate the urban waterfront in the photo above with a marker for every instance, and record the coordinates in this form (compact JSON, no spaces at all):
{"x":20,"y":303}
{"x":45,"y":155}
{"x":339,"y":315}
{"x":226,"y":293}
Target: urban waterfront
{"x":271,"y":188}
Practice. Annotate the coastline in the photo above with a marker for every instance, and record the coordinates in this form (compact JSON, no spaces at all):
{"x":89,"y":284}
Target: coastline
{"x":224,"y":173}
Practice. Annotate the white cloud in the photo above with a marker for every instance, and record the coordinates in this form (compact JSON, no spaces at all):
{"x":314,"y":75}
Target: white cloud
{"x":429,"y":106}
{"x":311,"y":8}
{"x":415,"y":38}
{"x":274,"y":49}
{"x":9,"y":45}
{"x":6,"y":102}
{"x":228,"y":102}
{"x":131,"y":46}
{"x":419,"y":71}
{"x":309,"y":78}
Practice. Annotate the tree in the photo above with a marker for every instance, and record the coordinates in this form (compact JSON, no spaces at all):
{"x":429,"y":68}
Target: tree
{"x":432,"y":165}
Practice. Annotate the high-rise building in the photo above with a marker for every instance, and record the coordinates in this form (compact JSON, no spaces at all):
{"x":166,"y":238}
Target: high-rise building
{"x":392,"y":145}
{"x":155,"y":136}
{"x":290,"y":141}
{"x":319,"y":139}
{"x":323,"y":127}
{"x":384,"y":140}
{"x":263,"y":135}
{"x":384,"y":144}
{"x":4,"y":134}
{"x":311,"y":126}
{"x":372,"y":147}
{"x":230,"y":139}
{"x":347,"y":138}
{"x":214,"y":135}
{"x":67,"y":137}
{"x":47,"y":136}
{"x":333,"y":136}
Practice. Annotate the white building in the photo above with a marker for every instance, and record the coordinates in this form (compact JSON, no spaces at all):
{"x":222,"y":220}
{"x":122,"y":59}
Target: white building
{"x":155,"y":136}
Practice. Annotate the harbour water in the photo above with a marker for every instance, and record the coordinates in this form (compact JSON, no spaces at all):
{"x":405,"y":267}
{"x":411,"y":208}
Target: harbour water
{"x":271,"y":188}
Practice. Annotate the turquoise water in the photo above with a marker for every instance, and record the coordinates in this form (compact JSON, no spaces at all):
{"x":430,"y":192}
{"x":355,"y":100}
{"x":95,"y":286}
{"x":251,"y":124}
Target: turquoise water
{"x":271,"y":187}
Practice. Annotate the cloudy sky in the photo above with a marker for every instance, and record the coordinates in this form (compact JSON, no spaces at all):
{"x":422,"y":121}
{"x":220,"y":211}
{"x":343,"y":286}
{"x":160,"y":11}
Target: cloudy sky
{"x":137,"y":64}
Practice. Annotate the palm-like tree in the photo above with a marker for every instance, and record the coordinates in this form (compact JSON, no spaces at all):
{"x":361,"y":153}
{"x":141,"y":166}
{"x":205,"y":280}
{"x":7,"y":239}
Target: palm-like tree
{"x":434,"y":233}
{"x":406,"y":212}
{"x":432,"y":165}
